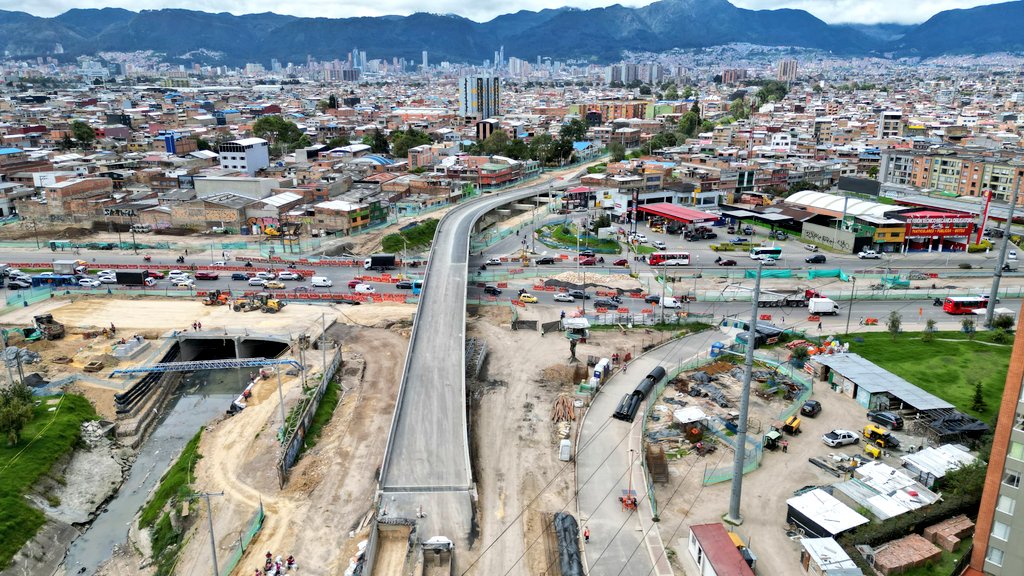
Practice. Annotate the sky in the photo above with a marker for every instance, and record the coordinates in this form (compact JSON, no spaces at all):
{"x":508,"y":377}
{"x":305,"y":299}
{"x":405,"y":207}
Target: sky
{"x":832,"y":11}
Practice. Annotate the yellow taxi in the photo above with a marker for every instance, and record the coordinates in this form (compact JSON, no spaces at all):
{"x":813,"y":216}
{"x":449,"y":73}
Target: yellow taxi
{"x":528,"y":298}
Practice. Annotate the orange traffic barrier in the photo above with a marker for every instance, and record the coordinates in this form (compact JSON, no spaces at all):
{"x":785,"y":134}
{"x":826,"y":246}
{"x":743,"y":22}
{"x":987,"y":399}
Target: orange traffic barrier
{"x":502,"y":284}
{"x":765,"y":317}
{"x":814,"y":318}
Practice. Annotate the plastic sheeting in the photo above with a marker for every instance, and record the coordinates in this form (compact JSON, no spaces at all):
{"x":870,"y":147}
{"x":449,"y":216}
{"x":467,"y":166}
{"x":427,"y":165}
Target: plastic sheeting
{"x":769,"y":274}
{"x":835,"y":273}
{"x":568,"y":532}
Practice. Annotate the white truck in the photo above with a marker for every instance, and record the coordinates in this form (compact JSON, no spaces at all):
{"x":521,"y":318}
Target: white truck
{"x":820,"y":306}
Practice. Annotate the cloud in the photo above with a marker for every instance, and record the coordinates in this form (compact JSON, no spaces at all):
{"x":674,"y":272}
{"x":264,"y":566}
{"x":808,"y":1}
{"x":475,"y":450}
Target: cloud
{"x":833,"y":11}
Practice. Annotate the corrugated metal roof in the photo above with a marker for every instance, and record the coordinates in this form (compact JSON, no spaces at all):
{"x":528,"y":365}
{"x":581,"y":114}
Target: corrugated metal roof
{"x":875,"y":379}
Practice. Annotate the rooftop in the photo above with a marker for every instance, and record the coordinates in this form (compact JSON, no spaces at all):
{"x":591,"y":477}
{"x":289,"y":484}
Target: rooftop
{"x":874,"y":379}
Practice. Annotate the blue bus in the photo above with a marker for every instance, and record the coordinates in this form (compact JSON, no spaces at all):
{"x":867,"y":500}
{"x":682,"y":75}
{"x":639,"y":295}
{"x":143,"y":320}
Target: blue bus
{"x":417,"y":287}
{"x":54,"y":280}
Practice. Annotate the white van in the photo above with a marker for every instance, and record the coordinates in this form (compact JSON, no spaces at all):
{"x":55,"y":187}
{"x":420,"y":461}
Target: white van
{"x":820,"y":306}
{"x":670,"y":302}
{"x":321,"y":282}
{"x":365,"y":289}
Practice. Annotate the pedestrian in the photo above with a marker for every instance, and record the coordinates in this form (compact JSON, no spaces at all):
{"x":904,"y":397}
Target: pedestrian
{"x":819,"y":326}
{"x":193,"y":326}
{"x":624,"y":364}
{"x":112,"y":329}
{"x":785,"y":446}
{"x":199,"y":325}
{"x":562,"y":316}
{"x":186,"y":251}
{"x":586,"y":534}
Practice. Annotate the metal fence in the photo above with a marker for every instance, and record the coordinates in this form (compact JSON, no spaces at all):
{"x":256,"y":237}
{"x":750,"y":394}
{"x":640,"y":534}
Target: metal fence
{"x":252,"y":527}
{"x":293,"y":444}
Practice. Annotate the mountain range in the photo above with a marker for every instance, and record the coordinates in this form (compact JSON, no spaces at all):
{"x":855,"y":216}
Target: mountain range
{"x":596,"y":35}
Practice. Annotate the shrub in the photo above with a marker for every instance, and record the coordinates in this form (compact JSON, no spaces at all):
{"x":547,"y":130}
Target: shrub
{"x":979,"y":247}
{"x":1001,"y":336}
{"x":1003,"y":322}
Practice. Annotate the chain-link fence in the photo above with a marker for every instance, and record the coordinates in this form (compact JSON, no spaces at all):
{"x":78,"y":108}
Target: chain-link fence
{"x":252,"y":527}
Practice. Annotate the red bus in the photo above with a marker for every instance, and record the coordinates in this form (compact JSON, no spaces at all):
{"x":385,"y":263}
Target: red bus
{"x":669,"y":259}
{"x":964,"y":304}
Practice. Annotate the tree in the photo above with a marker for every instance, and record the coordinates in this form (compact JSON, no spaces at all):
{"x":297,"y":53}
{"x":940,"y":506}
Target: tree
{"x":873,"y":172}
{"x":688,"y":124}
{"x":574,"y":130}
{"x":1003,"y":322}
{"x":687,"y":93}
{"x":15,"y":411}
{"x":377,"y":142}
{"x":82,"y":133}
{"x":929,"y":331}
{"x":672,"y":93}
{"x":66,"y":143}
{"x":616,"y":152}
{"x":282,"y":134}
{"x":517,"y":150}
{"x":332,"y":101}
{"x":496,"y":143}
{"x":645,"y":90}
{"x":772,"y":91}
{"x":402,"y":141}
{"x":695,"y":109}
{"x":739,"y":110}
{"x":541,"y":148}
{"x":978,"y":404}
{"x":800,"y":186}
{"x":203,"y":144}
{"x":895,"y":323}
{"x":968,"y":326}
{"x":337,"y":142}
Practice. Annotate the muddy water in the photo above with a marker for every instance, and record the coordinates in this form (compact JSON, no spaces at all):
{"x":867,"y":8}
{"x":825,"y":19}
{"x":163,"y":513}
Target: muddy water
{"x":204,"y":396}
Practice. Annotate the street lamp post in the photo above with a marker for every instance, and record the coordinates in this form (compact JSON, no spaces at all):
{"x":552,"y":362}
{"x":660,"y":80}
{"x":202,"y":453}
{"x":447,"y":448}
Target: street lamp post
{"x":853,"y":296}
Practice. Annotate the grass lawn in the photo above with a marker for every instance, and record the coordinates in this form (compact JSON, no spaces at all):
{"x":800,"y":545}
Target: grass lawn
{"x":323,"y":414}
{"x":418,"y":236}
{"x":558,"y":234}
{"x":31,"y":458}
{"x":947,"y":367}
{"x":944,"y":567}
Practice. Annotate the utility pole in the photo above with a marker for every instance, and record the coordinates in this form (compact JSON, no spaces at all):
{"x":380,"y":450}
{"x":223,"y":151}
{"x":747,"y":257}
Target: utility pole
{"x":280,"y":398}
{"x":213,"y":538}
{"x":853,"y":296}
{"x":990,"y":308}
{"x":734,"y":516}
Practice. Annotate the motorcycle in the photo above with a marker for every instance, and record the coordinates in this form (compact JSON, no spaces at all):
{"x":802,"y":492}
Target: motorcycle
{"x":248,"y":264}
{"x":180,"y":260}
{"x":937,"y":302}
{"x":147,"y":258}
{"x":291,"y":266}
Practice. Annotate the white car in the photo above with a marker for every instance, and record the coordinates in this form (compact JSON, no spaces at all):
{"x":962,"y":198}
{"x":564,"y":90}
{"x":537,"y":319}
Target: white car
{"x":107,"y":280}
{"x":182,"y":282}
{"x":89,"y":283}
{"x":1011,"y":255}
{"x":220,"y":263}
{"x":641,"y":238}
{"x":266,"y":275}
{"x":563,"y":297}
{"x":105,"y":273}
{"x":257,"y":282}
{"x":868,"y":255}
{"x":494,"y":262}
{"x":658,"y":244}
{"x":837,"y":438}
{"x":289,"y":275}
{"x":46,"y":274}
{"x":768,"y":262}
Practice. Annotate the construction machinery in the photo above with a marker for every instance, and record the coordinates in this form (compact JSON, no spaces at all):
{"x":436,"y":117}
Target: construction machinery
{"x":880,"y":436}
{"x":216,"y":298}
{"x":245,"y":304}
{"x":267,"y":304}
{"x":48,"y":327}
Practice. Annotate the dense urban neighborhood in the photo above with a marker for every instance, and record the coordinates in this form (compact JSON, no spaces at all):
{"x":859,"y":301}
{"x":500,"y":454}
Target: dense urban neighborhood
{"x":685,"y":288}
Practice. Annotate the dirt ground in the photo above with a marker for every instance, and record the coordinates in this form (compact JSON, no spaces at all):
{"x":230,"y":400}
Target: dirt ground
{"x":330,"y":491}
{"x":511,"y":415}
{"x":684,"y":501}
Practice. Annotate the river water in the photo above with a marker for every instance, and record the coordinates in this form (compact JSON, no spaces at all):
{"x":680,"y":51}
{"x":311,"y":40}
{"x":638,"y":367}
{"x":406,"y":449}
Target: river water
{"x":204,"y":396}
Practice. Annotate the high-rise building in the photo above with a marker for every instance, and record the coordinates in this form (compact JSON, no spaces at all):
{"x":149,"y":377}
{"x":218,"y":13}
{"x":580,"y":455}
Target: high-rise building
{"x":425,"y":61}
{"x":787,"y":71}
{"x":733,"y":75}
{"x":479,"y":97}
{"x":999,"y":532}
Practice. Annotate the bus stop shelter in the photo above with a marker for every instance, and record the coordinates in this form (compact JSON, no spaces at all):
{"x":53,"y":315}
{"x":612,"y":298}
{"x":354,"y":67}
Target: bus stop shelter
{"x":679,"y":213}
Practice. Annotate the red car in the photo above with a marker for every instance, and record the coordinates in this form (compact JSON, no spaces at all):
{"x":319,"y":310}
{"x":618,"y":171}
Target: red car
{"x":353,"y":283}
{"x":727,"y":263}
{"x":204,"y":275}
{"x":588,"y":261}
{"x":155,"y":274}
{"x":621,"y":262}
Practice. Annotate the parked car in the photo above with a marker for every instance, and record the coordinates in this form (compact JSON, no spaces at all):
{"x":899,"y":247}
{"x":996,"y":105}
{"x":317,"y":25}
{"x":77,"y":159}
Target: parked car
{"x":889,"y":419}
{"x":652,"y":299}
{"x":18,"y":284}
{"x":748,"y":230}
{"x":492,"y":290}
{"x":528,"y":298}
{"x":816,"y":259}
{"x":88,"y":283}
{"x":204,"y":275}
{"x":238,"y":276}
{"x":579,"y":294}
{"x":810,"y":247}
{"x":868,"y":255}
{"x":564,"y":297}
{"x":353,"y":283}
{"x":274,"y":285}
{"x":156,"y":274}
{"x":588,"y":261}
{"x":641,"y":238}
{"x":257,"y":282}
{"x":780,"y":235}
{"x":287,"y":275}
{"x":838,"y":438}
{"x":727,"y":263}
{"x":621,"y":262}
{"x":811,"y":408}
{"x":659,"y":244}
{"x":403,"y":285}
{"x":740,"y":240}
{"x":544,"y":261}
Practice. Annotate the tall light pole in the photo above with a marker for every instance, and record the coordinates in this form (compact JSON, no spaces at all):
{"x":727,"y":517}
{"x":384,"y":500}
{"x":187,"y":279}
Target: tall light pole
{"x":990,"y":308}
{"x":213,"y":538}
{"x":853,"y":296}
{"x":734,"y":516}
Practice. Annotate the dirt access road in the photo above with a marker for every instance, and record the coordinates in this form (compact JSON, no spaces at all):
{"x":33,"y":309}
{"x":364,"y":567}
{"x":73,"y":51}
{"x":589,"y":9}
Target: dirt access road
{"x":332,"y":487}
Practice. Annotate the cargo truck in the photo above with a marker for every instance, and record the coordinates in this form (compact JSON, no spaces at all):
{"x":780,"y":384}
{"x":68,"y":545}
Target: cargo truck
{"x":71,"y":267}
{"x":380,"y":262}
{"x":790,"y":299}
{"x":819,"y":306}
{"x":132,"y":277}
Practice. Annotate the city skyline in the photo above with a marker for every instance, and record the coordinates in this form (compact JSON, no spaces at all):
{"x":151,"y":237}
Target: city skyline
{"x":831,"y":11}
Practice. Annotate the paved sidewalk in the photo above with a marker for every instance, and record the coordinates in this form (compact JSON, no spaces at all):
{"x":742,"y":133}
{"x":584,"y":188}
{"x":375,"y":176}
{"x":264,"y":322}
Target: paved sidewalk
{"x":609,"y":452}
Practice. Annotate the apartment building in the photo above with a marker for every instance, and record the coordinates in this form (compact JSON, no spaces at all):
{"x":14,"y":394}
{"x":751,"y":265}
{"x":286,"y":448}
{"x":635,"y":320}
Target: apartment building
{"x":479,"y":97}
{"x":890,"y":124}
{"x":249,"y":155}
{"x":953,"y":170}
{"x":999,"y":531}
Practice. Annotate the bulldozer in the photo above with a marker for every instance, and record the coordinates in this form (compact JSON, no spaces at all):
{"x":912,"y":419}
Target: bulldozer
{"x":216,"y":298}
{"x":245,"y":304}
{"x":267,"y":304}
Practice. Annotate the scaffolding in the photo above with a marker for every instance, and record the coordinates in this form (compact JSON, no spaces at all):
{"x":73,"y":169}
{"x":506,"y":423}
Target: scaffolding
{"x":206,"y":365}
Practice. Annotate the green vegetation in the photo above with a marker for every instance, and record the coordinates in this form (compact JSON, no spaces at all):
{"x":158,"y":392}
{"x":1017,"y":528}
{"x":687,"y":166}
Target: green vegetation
{"x":597,"y":168}
{"x":45,"y":439}
{"x":565,"y":235}
{"x":174,"y":488}
{"x":83,"y":134}
{"x":948,"y":367}
{"x":284,"y":136}
{"x":403,"y":140}
{"x":15,"y":412}
{"x":419,"y":236}
{"x":681,"y":329}
{"x":945,"y":565}
{"x":323,"y":414}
